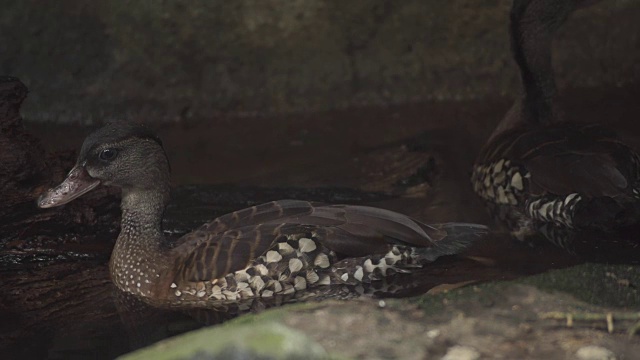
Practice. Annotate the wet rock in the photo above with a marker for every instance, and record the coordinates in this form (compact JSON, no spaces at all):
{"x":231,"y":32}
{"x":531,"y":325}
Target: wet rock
{"x":460,"y":352}
{"x":595,"y":353}
{"x":22,"y":163}
{"x":237,"y":340}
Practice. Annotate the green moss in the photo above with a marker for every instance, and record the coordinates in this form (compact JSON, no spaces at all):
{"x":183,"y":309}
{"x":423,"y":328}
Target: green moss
{"x":255,"y":336}
{"x":263,"y":339}
{"x":596,"y":284}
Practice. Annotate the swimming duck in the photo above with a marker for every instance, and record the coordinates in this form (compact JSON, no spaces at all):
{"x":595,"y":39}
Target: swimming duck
{"x":277,"y":248}
{"x":537,"y":169}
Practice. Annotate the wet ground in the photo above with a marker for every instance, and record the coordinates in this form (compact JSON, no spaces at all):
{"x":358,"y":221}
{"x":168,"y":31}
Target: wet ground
{"x":57,"y":301}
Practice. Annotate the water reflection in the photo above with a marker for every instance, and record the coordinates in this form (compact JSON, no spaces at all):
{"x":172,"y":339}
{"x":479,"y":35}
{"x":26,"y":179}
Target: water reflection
{"x":616,"y":245}
{"x":620,"y":246}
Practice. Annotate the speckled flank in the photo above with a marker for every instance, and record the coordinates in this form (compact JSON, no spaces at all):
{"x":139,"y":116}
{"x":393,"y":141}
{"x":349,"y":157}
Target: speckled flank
{"x":400,"y":259}
{"x":554,"y":209}
{"x":293,"y":264}
{"x":500,"y":182}
{"x":503,"y":183}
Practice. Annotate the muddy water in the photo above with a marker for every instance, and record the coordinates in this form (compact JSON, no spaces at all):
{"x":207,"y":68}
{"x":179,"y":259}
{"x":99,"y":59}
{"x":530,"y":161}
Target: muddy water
{"x":57,"y":301}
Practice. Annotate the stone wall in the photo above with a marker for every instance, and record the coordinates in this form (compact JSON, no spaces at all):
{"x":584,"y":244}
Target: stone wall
{"x":173,"y":60}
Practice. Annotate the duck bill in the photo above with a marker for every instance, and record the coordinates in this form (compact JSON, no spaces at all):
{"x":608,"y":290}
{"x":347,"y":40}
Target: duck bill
{"x":77,"y":183}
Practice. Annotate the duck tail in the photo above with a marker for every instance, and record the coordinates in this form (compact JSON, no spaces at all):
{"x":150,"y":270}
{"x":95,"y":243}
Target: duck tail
{"x":459,"y":236}
{"x":606,"y":213}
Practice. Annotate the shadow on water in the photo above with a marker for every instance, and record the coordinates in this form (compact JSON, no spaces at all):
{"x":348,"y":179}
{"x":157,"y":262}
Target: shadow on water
{"x":60,"y":307}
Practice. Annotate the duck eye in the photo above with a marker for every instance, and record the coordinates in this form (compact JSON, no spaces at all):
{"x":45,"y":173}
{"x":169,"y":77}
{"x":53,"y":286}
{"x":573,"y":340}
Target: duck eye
{"x":108,"y":154}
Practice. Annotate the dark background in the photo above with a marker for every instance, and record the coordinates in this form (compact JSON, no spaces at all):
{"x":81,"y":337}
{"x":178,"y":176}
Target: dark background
{"x":309,"y":93}
{"x":87,"y":61}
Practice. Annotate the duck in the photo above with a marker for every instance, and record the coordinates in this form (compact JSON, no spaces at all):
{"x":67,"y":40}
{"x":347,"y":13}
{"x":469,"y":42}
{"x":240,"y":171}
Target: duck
{"x":538,"y":169}
{"x":278,"y":248}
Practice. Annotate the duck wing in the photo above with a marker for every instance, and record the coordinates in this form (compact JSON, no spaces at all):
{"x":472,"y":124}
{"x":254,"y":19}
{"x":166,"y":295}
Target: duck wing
{"x":570,"y":158}
{"x":258,"y":214}
{"x":230,"y":243}
{"x":590,"y":174}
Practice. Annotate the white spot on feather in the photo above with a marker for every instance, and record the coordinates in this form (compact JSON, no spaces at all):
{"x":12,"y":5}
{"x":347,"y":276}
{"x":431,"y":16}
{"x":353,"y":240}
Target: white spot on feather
{"x":393,"y":258}
{"x":306,"y":245}
{"x":502,"y":197}
{"x":368,"y":266}
{"x":295,"y":265}
{"x":321,"y":261}
{"x":516,"y":181}
{"x":241,"y":276}
{"x":359,"y":273}
{"x":273,"y":256}
{"x":569,"y":197}
{"x":261,"y":269}
{"x":288,"y":289}
{"x":300,"y":283}
{"x":230,"y":295}
{"x":257,"y":283}
{"x":216,"y":290}
{"x":285,"y":249}
{"x":312,"y":277}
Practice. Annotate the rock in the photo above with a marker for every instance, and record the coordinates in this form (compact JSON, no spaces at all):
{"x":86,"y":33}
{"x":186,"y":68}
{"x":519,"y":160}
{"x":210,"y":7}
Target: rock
{"x":236,"y":340}
{"x":593,"y":352}
{"x":461,"y":352}
{"x":21,"y":156}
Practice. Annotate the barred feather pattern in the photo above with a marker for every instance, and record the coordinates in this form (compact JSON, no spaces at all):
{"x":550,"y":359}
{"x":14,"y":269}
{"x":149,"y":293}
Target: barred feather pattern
{"x":558,"y":210}
{"x":501,"y":182}
{"x":295,"y":263}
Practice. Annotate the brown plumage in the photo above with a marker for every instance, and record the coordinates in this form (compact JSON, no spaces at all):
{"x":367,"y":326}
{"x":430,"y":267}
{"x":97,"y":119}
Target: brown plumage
{"x":279,"y":248}
{"x":568,"y":158}
{"x":537,"y":168}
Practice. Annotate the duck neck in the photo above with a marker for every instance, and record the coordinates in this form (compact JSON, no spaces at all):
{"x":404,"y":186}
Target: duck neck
{"x":138,"y":258}
{"x":533,"y":26}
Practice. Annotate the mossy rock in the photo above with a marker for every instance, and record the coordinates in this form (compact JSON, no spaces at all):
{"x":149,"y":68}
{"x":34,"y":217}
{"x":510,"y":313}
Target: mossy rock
{"x":250,"y":337}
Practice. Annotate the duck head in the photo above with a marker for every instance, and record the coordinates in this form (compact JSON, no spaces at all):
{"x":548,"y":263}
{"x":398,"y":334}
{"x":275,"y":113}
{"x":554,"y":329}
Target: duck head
{"x":125,"y":155}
